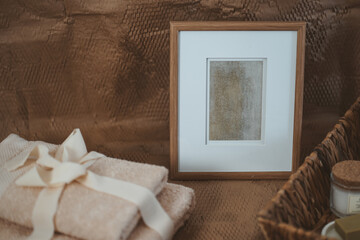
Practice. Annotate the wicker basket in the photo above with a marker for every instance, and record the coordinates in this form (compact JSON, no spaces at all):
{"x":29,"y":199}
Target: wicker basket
{"x":301,"y":208}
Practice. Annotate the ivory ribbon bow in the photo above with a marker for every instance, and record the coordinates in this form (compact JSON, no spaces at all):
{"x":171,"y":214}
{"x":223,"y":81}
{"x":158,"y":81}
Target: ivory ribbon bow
{"x":70,"y":163}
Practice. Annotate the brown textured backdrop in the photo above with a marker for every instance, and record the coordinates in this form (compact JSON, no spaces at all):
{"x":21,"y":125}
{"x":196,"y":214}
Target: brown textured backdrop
{"x":103,"y":66}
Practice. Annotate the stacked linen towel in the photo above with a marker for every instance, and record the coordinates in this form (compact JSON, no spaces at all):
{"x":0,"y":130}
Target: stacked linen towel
{"x":83,"y":212}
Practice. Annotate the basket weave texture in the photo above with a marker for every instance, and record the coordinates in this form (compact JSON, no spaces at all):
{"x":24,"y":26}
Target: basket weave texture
{"x":302,"y":207}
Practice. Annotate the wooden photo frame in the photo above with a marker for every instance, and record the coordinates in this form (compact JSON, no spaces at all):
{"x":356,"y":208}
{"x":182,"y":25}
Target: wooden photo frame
{"x":236,"y":92}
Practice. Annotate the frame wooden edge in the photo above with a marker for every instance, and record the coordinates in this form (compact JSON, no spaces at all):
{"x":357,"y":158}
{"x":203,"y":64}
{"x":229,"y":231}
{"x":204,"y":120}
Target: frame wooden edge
{"x":175,"y":27}
{"x":235,"y":26}
{"x":299,"y":93}
{"x":173,"y":100}
{"x":230,"y":175}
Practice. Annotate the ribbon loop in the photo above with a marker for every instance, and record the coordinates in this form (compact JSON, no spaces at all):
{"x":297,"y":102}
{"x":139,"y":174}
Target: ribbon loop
{"x":73,"y":148}
{"x":64,"y":173}
{"x":45,"y":159}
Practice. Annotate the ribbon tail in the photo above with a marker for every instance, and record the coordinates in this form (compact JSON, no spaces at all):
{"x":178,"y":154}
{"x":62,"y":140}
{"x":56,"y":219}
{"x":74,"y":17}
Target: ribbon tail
{"x":44,"y":212}
{"x":151,"y":211}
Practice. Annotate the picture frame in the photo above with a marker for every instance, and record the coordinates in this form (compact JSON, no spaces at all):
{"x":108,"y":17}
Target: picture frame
{"x":236,"y":93}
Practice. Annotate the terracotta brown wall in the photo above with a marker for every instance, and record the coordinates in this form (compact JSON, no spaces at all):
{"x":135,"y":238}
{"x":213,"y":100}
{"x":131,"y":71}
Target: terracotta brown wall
{"x":103,"y":66}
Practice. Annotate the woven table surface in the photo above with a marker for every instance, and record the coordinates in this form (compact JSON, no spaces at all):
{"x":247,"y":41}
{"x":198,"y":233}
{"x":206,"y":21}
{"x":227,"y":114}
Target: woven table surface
{"x":227,"y":209}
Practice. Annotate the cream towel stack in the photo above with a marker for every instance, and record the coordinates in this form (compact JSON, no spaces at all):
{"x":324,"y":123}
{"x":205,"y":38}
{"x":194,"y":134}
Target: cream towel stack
{"x":84,"y":213}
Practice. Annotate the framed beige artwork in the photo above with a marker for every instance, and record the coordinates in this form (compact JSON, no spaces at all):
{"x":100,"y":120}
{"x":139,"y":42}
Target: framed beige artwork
{"x":236,"y":92}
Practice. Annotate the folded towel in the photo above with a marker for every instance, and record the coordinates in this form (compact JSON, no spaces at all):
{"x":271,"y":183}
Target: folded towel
{"x":82,"y":212}
{"x":177,"y":201}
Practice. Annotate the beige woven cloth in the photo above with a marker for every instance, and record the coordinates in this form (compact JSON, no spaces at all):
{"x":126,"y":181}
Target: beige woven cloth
{"x":85,"y":213}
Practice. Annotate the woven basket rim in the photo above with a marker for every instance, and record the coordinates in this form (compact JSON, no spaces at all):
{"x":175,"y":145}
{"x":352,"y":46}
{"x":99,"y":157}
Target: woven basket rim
{"x":264,"y":216}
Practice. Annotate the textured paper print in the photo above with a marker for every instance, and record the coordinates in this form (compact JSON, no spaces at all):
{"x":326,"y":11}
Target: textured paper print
{"x":235,"y":100}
